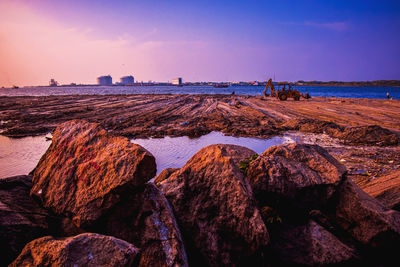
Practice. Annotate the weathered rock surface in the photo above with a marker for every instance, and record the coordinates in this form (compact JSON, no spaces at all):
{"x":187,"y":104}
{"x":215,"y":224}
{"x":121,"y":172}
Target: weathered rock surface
{"x":165,"y":174}
{"x":160,"y":115}
{"x":295,"y":183}
{"x":386,"y":189}
{"x":85,"y":171}
{"x":302,"y":175}
{"x":310,"y":244}
{"x":215,"y":209}
{"x":145,"y":219}
{"x":365,"y":218}
{"x":99,"y":181}
{"x":21,"y":218}
{"x":83,"y":250}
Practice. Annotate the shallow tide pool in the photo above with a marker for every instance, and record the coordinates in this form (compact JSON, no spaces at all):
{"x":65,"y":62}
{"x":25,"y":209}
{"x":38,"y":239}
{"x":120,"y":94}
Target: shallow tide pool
{"x":174,"y":152}
{"x":20,"y":156}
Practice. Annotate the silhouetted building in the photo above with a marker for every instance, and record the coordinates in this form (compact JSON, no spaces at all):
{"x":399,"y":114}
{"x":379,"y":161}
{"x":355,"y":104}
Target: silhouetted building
{"x":177,"y":81}
{"x":53,"y":82}
{"x":104,"y":80}
{"x":127,"y":80}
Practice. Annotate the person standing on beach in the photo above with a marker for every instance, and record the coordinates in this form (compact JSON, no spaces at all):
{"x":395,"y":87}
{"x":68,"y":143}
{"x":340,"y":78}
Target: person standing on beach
{"x":387,"y":95}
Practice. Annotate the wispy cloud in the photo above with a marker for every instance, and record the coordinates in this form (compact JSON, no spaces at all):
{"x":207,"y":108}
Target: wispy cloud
{"x":182,"y":43}
{"x":339,"y":26}
{"x":334,"y":26}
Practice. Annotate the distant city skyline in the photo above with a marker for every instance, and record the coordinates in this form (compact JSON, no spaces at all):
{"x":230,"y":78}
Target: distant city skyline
{"x":77,"y":41}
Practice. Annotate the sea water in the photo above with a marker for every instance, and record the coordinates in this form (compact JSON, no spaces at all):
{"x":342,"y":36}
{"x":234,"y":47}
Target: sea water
{"x":324,"y":91}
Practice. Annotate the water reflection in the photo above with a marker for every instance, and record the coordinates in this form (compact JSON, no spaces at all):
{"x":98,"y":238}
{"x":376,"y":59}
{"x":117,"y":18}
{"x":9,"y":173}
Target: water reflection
{"x":20,"y":156}
{"x":174,"y":152}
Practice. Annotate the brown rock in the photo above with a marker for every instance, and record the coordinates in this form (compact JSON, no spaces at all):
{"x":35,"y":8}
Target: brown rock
{"x":83,"y":250}
{"x":359,"y":135}
{"x":386,"y":189}
{"x":165,"y":174}
{"x":310,"y":244}
{"x":365,"y":218}
{"x":313,"y":126}
{"x":369,"y":135}
{"x":302,"y":175}
{"x":85,"y":171}
{"x":145,"y":219}
{"x":21,"y":218}
{"x":214,"y":206}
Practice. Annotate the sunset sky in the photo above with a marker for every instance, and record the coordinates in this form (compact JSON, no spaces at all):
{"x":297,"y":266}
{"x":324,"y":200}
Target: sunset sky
{"x":76,"y":41}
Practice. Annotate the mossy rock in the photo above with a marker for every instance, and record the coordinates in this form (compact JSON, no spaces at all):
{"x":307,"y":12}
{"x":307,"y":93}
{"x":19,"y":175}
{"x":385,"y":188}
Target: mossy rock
{"x":244,"y":164}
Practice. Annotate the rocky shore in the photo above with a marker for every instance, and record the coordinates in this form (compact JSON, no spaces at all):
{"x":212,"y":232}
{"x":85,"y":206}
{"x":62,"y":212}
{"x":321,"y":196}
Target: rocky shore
{"x":195,"y":115}
{"x":89,"y":202}
{"x":365,"y":131}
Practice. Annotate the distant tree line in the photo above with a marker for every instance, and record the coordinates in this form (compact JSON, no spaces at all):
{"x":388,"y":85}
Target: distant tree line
{"x":377,"y":83}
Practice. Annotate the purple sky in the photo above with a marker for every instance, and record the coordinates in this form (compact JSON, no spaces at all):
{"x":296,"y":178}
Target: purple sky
{"x":76,"y":41}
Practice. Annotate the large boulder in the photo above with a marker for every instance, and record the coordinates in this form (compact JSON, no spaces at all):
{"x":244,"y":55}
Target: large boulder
{"x":86,"y":171}
{"x":365,"y":218}
{"x":310,"y":244}
{"x":21,"y":218}
{"x":215,"y":208}
{"x":83,"y":250}
{"x":301,"y":176}
{"x":145,"y":219}
{"x":294,"y":183}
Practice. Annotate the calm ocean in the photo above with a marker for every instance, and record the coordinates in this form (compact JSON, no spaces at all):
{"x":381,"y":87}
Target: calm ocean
{"x":326,"y":91}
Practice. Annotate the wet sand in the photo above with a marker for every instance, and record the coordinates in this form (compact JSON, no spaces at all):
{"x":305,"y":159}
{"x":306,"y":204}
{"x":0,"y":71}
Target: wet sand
{"x":368,"y":153}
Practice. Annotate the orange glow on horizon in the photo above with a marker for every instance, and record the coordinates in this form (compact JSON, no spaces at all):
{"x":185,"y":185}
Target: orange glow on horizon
{"x":35,"y":49}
